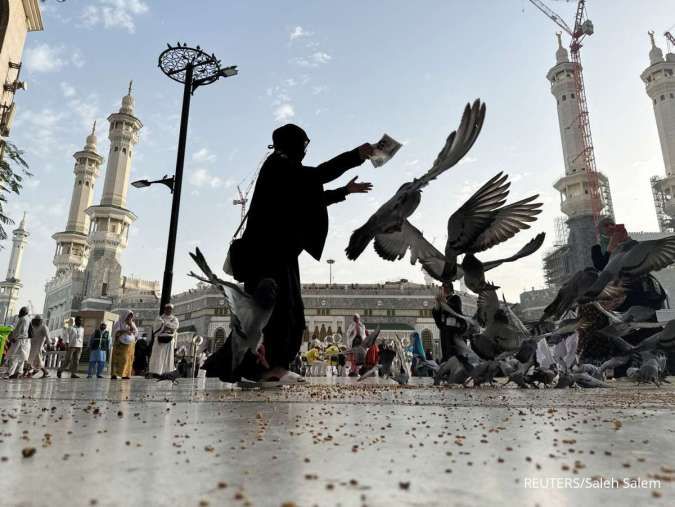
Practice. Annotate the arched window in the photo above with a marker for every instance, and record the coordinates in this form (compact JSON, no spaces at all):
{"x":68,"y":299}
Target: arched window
{"x":322,"y":332}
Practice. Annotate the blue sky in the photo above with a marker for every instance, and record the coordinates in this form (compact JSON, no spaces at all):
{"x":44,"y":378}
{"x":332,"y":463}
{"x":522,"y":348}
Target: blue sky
{"x":347,"y":72}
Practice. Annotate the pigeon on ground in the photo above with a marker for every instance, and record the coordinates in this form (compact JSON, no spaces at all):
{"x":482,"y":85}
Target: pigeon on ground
{"x":451,"y":371}
{"x":590,"y":369}
{"x":172,"y":376}
{"x":541,"y":375}
{"x":587,"y":381}
{"x":392,"y":214}
{"x":631,"y":259}
{"x":249,"y":314}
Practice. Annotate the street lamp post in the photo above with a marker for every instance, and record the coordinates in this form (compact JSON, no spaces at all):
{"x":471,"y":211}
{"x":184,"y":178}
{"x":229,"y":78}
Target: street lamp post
{"x":330,"y":263}
{"x":192,"y":67}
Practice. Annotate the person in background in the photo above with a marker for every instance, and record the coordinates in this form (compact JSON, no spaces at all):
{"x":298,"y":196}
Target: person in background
{"x":356,"y":328}
{"x":161,"y":358}
{"x":75,"y":337}
{"x":358,"y":356}
{"x":99,"y":346}
{"x":19,"y":341}
{"x":450,"y":326}
{"x":314,"y":353}
{"x":141,"y":354}
{"x":60,"y":345}
{"x":39,"y":338}
{"x":417,"y":352}
{"x":372,"y":357}
{"x":331,"y":353}
{"x":125,"y":334}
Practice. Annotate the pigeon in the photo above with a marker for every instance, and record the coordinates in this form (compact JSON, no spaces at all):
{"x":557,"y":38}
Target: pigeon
{"x":587,"y":381}
{"x":249,"y":313}
{"x":484,"y":373}
{"x":451,"y":371}
{"x":614,"y":362}
{"x":590,"y":369}
{"x":392,"y":214}
{"x":541,"y":375}
{"x":400,"y":369}
{"x":569,"y":293}
{"x":393,"y":247}
{"x":172,"y":376}
{"x":631,"y":259}
{"x":663,"y":340}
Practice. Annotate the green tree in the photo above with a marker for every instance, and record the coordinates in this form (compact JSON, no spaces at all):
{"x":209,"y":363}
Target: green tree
{"x":13,"y":169}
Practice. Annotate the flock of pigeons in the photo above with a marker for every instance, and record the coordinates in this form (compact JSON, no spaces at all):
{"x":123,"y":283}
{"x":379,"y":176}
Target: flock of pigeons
{"x":496,"y":342}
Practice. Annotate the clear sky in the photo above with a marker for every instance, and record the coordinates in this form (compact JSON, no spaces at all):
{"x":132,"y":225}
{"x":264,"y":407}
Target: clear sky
{"x":347,"y":72}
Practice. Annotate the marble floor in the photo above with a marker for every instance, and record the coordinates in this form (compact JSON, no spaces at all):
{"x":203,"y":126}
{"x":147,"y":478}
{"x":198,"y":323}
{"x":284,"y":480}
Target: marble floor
{"x":328,"y":442}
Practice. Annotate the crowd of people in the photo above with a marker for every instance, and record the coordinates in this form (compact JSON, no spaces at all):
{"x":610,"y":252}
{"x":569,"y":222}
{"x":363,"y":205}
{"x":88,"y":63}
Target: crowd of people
{"x":123,"y":348}
{"x":353,"y":355}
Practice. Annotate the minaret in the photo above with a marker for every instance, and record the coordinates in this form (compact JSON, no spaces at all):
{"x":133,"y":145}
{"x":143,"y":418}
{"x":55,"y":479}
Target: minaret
{"x":659,"y":79}
{"x":72,"y":249}
{"x":110,"y":220}
{"x":575,"y":198}
{"x":9,"y":289}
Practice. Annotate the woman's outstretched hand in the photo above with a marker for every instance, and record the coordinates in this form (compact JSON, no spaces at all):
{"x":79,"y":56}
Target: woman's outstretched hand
{"x":366,"y":151}
{"x":358,"y":188}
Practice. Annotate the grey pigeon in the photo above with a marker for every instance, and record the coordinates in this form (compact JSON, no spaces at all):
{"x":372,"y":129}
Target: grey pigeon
{"x":171,"y":376}
{"x":590,"y":369}
{"x":572,"y":290}
{"x":663,"y":340}
{"x":587,"y":381}
{"x":451,"y":371}
{"x":249,"y":314}
{"x":392,"y":214}
{"x":631,"y":259}
{"x":393,"y":247}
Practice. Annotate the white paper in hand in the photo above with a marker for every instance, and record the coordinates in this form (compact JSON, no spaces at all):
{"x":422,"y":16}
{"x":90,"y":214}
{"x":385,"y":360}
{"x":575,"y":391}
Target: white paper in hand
{"x":384,"y":150}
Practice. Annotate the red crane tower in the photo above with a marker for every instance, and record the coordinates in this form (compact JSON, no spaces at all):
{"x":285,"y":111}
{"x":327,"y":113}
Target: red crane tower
{"x":582,"y":28}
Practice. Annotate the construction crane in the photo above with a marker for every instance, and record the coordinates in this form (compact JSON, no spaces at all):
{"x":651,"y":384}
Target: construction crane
{"x":582,"y":28}
{"x":668,"y":35}
{"x":243,"y":196}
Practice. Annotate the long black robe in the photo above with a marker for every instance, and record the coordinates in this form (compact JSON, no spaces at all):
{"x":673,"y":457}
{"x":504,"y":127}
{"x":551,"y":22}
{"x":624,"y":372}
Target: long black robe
{"x":288,"y":215}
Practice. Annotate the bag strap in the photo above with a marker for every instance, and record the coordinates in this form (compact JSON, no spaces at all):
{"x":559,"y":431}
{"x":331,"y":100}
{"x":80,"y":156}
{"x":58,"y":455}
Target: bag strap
{"x":243,"y":221}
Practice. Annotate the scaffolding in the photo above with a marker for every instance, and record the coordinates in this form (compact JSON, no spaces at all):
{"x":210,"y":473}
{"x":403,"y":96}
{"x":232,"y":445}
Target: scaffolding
{"x":660,"y":198}
{"x":561,"y":231}
{"x":605,"y":192}
{"x":555,"y":266}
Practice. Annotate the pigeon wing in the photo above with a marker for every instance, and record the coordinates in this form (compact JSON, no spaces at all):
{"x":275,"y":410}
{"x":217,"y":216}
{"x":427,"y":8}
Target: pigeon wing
{"x":507,"y":222}
{"x":476,"y":214}
{"x":649,"y":256}
{"x":393,"y":246}
{"x":371,"y":338}
{"x":457,"y":144}
{"x":528,"y":249}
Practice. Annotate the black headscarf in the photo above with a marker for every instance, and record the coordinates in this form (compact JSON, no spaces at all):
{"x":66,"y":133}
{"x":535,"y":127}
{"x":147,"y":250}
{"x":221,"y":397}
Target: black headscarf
{"x":291,"y":141}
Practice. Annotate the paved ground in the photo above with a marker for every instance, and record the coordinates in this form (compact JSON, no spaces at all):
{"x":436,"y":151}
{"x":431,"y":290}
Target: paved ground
{"x":138,"y":442}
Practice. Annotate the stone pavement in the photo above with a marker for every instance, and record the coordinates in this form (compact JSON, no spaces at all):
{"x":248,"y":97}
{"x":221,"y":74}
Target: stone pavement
{"x":139,"y":442}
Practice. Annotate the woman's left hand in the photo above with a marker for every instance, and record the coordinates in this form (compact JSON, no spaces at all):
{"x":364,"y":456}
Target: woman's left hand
{"x":358,"y":188}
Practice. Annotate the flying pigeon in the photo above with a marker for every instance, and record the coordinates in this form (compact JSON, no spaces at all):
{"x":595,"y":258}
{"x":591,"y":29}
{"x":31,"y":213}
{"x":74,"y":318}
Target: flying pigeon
{"x":576,"y":286}
{"x":631,"y":259}
{"x":249,"y":313}
{"x":391,"y":215}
